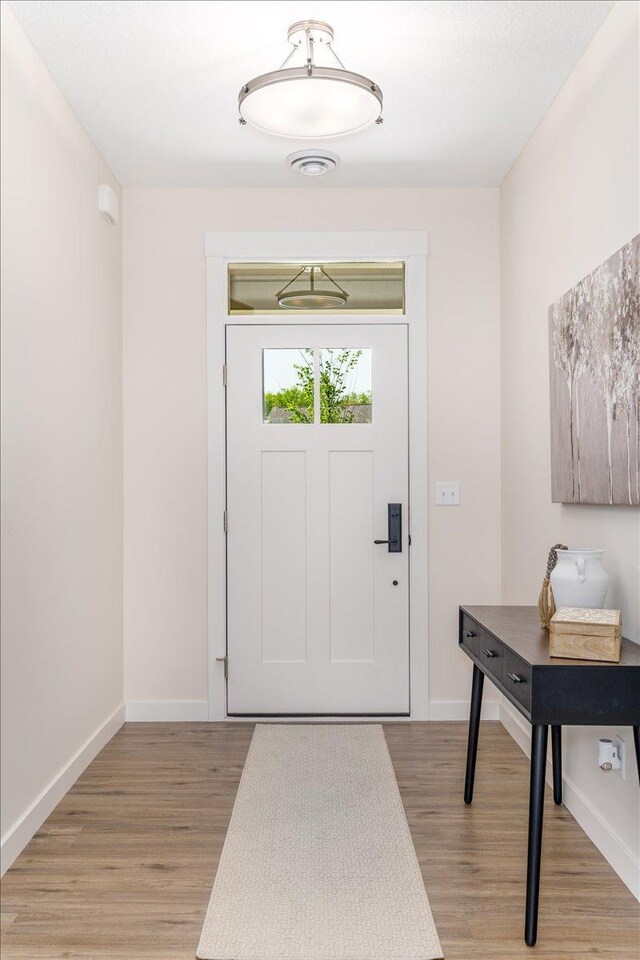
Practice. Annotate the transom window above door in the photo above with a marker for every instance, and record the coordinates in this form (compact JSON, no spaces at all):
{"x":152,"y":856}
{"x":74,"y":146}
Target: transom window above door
{"x":308,"y":385}
{"x":327,"y":288}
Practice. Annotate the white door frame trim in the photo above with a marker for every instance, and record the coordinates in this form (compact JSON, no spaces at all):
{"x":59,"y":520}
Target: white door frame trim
{"x":222,"y":248}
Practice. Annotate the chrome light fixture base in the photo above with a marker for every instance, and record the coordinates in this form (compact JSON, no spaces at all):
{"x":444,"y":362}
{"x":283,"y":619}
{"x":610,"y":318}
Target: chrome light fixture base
{"x":310,"y":101}
{"x":319,"y":31}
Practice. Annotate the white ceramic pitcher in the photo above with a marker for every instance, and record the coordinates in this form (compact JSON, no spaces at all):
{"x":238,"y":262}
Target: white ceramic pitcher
{"x":579,"y":579}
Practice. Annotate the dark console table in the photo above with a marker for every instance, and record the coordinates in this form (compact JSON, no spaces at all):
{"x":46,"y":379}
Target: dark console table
{"x":508,"y":646}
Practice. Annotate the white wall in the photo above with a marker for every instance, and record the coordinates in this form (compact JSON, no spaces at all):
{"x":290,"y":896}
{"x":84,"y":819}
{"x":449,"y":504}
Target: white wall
{"x":570,"y":201}
{"x":165,"y":412}
{"x":61,"y":445}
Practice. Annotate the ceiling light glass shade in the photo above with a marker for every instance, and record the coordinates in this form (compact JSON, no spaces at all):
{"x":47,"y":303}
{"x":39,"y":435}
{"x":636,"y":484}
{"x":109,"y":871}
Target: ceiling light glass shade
{"x":310,"y":101}
{"x":327,"y":103}
{"x":312,"y":297}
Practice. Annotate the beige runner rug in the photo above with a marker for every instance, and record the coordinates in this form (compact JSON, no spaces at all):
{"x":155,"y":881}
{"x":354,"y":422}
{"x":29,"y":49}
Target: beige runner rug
{"x":318,"y":862}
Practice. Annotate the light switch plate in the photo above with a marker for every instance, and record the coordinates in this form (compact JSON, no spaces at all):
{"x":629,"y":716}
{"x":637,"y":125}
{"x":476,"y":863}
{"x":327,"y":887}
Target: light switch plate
{"x":447,"y":493}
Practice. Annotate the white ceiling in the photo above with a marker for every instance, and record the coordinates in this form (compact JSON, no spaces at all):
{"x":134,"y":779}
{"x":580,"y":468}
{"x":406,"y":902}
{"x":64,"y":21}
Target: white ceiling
{"x":465,"y":83}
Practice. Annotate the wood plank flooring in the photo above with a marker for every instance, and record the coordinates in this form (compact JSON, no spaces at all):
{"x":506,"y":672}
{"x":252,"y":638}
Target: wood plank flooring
{"x":123,"y":868}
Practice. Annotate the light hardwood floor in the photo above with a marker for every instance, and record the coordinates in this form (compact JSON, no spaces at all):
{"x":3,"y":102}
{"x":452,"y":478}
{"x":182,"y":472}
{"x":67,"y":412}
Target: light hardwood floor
{"x":122,"y":869}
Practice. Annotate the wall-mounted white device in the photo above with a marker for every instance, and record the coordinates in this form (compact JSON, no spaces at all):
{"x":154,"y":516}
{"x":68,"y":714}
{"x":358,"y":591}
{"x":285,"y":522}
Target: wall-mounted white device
{"x":313,"y":163}
{"x":609,"y":754}
{"x":108,"y":204}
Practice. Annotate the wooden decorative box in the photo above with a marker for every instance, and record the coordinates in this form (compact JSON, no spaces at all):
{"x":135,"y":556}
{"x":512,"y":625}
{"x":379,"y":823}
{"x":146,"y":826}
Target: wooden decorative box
{"x":579,"y":633}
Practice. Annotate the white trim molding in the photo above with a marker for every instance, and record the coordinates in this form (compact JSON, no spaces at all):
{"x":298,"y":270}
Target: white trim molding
{"x":18,"y":836}
{"x":460,"y":709}
{"x":410,"y":247}
{"x":167,"y":711}
{"x":611,"y":846}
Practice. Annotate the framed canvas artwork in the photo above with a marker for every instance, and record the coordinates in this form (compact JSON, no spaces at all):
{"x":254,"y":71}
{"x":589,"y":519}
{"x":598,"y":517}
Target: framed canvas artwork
{"x":594,"y":345}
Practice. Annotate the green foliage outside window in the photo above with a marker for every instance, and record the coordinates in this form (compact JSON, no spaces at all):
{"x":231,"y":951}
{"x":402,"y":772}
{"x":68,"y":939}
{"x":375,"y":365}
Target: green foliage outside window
{"x":336,"y":398}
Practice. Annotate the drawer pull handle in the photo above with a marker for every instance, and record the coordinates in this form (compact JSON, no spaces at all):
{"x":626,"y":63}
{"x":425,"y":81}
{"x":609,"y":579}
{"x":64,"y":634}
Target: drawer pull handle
{"x":467,"y":634}
{"x":516,"y":677}
{"x":490,"y":653}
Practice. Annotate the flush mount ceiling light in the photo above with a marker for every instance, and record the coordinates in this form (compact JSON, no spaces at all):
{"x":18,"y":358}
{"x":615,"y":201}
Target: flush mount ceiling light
{"x":310,"y":101}
{"x":313,"y":163}
{"x":312,"y":297}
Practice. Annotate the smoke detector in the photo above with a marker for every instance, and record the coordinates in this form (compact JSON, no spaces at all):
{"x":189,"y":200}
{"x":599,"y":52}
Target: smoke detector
{"x":313,"y":163}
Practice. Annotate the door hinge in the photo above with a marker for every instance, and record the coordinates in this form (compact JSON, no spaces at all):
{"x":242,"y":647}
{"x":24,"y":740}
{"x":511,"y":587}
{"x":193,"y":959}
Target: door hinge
{"x":225,"y":521}
{"x":224,"y":660}
{"x":224,"y":374}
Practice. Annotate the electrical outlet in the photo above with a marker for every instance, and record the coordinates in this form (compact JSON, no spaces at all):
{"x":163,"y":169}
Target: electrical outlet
{"x":447,"y":493}
{"x":620,"y":743}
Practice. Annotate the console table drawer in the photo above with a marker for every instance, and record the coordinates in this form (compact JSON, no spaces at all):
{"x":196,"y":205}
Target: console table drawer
{"x":470,"y":635}
{"x":492,"y":653}
{"x":483,"y":646}
{"x":516,"y":678}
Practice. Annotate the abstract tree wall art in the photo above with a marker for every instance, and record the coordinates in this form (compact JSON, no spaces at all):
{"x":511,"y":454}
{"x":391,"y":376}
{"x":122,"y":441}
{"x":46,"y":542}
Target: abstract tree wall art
{"x":594,"y":345}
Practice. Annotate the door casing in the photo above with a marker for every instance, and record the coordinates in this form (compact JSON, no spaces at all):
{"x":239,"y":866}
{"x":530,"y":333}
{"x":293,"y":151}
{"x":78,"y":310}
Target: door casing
{"x":220,"y":250}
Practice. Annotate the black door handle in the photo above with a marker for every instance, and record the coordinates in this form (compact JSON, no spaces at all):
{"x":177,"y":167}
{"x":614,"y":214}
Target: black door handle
{"x":394,"y":524}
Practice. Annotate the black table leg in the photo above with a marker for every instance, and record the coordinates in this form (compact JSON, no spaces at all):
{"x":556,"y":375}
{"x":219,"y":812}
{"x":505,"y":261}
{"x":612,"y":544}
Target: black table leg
{"x":636,"y":741}
{"x":556,"y":754}
{"x":474,"y":726}
{"x":536,"y":809}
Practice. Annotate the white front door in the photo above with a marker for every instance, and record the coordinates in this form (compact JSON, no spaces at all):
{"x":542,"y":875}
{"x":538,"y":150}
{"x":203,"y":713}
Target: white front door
{"x":317,"y":449}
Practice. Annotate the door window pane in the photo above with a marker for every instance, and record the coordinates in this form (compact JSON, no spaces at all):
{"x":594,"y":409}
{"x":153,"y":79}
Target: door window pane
{"x":345,"y":385}
{"x":288,"y":383}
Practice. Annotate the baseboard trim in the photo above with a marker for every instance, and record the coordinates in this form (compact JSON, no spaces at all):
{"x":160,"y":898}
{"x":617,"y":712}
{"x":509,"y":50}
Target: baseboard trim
{"x":612,"y":847}
{"x":164,"y":711}
{"x":459,"y":710}
{"x":18,"y":836}
{"x":176,"y":711}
